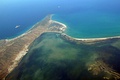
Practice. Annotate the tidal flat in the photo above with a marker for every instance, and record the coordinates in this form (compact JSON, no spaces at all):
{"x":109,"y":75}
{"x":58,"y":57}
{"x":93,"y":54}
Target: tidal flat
{"x":53,"y":57}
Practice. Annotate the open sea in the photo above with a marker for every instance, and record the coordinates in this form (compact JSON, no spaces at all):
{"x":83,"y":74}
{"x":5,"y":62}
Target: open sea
{"x":84,"y":18}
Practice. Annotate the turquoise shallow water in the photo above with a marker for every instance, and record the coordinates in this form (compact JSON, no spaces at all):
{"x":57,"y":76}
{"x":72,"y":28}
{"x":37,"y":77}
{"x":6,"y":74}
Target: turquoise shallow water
{"x":91,"y":24}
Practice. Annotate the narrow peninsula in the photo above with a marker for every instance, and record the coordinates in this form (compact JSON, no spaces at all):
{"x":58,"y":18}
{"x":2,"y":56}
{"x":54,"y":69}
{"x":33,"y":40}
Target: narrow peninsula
{"x":13,"y":50}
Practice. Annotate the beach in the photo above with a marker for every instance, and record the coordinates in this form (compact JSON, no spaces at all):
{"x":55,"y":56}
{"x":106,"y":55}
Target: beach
{"x":17,"y":47}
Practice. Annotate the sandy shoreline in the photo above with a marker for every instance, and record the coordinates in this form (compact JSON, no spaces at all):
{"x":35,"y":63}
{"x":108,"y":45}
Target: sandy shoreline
{"x":23,"y":52}
{"x":85,"y":39}
{"x":97,"y":38}
{"x":23,"y":34}
{"x":63,"y":28}
{"x":12,"y":39}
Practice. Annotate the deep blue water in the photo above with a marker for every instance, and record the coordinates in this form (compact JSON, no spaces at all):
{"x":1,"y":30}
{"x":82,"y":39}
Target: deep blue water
{"x":82,"y":17}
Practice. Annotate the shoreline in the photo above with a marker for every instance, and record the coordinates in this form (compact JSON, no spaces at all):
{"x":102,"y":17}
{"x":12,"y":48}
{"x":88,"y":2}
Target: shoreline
{"x":24,"y":51}
{"x":23,"y":34}
{"x":104,"y":38}
{"x":34,"y":32}
{"x":64,"y":26}
{"x":63,"y":29}
{"x":85,"y":39}
{"x":12,"y":39}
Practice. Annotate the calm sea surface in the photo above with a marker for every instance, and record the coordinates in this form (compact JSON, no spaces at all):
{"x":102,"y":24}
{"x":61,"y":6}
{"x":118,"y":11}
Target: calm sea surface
{"x":84,"y":18}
